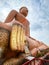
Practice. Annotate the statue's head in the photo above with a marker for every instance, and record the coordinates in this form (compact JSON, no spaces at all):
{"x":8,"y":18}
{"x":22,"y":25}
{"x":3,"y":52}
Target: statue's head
{"x":24,"y":11}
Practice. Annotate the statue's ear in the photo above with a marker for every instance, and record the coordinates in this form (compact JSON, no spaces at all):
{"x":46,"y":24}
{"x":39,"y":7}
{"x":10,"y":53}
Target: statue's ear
{"x":24,"y":11}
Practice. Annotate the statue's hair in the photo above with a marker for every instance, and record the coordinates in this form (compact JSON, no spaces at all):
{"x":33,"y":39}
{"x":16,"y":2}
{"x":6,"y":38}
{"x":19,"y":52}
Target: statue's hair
{"x":22,"y":8}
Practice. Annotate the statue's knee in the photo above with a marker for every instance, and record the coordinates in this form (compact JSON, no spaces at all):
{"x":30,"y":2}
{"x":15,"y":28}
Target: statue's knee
{"x":13,"y":11}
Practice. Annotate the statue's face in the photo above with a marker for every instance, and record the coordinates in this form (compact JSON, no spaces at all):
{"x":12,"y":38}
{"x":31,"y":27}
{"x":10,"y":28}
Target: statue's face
{"x":24,"y":11}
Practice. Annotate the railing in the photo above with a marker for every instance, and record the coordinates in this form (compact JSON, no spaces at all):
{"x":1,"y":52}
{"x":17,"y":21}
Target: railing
{"x":37,"y":61}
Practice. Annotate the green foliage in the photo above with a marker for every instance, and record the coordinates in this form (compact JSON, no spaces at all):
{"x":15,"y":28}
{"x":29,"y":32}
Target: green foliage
{"x":42,"y":52}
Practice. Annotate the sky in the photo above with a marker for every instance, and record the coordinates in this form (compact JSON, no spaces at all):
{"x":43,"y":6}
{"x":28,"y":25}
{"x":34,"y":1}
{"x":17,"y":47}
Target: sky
{"x":38,"y":16}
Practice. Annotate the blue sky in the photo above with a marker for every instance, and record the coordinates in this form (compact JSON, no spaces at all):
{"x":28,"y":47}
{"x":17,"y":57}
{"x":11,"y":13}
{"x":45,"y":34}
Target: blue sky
{"x":38,"y":16}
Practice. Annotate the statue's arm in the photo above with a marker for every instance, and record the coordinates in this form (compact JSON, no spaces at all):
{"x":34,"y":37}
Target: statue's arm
{"x":11,"y":16}
{"x":18,"y":16}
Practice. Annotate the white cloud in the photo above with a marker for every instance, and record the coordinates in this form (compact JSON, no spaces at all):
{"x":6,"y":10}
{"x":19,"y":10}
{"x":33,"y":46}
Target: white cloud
{"x":42,"y":35}
{"x":38,"y":15}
